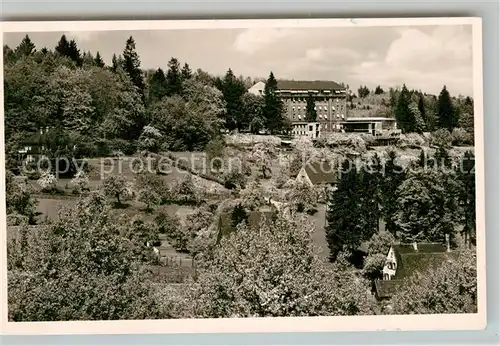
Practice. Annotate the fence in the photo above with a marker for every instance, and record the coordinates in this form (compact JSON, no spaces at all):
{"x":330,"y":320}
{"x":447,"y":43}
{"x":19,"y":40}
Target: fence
{"x":173,"y":269}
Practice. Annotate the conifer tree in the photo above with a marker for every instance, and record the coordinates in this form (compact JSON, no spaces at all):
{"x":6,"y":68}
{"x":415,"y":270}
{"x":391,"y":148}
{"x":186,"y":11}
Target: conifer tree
{"x":311,"y":114}
{"x":403,"y":113}
{"x":186,"y":72}
{"x":378,"y":90}
{"x":467,"y":195}
{"x":88,"y":59}
{"x":352,"y":213}
{"x":416,"y":119}
{"x":174,"y":78}
{"x":26,"y":47}
{"x":238,"y":215}
{"x":393,"y":176}
{"x":63,"y":46}
{"x":74,"y":53}
{"x":98,"y":60}
{"x":69,"y":49}
{"x":157,"y":86}
{"x":132,"y":65}
{"x":422,"y":110}
{"x":447,"y":115}
{"x":114,"y":63}
{"x":443,"y":159}
{"x":273,"y":106}
{"x":233,"y":90}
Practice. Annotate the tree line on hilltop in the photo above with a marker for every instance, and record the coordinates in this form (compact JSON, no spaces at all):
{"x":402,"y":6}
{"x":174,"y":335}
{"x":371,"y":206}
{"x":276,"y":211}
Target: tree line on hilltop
{"x":418,"y":112}
{"x":117,"y":108}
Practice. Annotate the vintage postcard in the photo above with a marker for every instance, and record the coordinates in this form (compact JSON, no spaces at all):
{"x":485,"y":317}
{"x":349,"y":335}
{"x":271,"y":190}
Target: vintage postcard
{"x":242,"y":176}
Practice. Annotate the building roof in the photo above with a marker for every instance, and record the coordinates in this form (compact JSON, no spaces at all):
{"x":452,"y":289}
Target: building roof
{"x":427,"y":257}
{"x":386,"y":288}
{"x":364,"y":119}
{"x":253,"y":220}
{"x":320,"y":172}
{"x":308,"y":85}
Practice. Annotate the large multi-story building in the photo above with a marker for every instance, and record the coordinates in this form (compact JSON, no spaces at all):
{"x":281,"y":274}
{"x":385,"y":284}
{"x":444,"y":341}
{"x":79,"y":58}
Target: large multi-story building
{"x":330,"y":101}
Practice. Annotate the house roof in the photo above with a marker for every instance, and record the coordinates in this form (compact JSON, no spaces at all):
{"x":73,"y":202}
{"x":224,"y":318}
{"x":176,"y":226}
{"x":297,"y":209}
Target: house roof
{"x":308,"y":85}
{"x":254,"y":219}
{"x":366,"y":119}
{"x":320,"y":172}
{"x":428,"y":256}
{"x":386,"y":288}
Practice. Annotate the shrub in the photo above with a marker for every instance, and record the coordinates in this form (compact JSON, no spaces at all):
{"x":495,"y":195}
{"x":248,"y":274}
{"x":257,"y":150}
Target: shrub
{"x":149,"y":197}
{"x":215,"y":150}
{"x":460,"y":137}
{"x":47,"y":182}
{"x":183,"y":189}
{"x":352,"y":141}
{"x":155,"y":182}
{"x":441,"y":138}
{"x":80,"y":182}
{"x":410,"y":140}
{"x":234,"y":180}
{"x":166,"y":224}
{"x":369,"y":139}
{"x":357,"y":143}
{"x":118,"y":187}
{"x":150,"y":140}
{"x":373,"y":266}
{"x":127,"y":147}
{"x":16,"y":219}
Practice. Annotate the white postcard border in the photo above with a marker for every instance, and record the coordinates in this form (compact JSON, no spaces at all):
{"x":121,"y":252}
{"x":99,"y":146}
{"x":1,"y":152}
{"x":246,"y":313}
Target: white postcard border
{"x":264,"y":325}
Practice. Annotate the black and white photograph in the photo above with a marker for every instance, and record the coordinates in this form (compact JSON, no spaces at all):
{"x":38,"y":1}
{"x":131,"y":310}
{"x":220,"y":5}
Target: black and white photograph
{"x":232,"y":171}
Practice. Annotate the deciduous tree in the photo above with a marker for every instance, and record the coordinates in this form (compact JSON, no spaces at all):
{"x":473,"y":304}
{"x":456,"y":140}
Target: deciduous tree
{"x":449,"y":289}
{"x":274,"y":270}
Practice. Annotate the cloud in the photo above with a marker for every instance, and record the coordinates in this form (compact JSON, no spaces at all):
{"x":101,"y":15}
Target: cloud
{"x":423,"y":57}
{"x":252,"y":40}
{"x":424,"y":60}
{"x":416,"y":49}
{"x":82,"y":36}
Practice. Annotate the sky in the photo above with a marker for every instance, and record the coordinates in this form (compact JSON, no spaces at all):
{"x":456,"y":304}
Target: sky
{"x":422,"y":57}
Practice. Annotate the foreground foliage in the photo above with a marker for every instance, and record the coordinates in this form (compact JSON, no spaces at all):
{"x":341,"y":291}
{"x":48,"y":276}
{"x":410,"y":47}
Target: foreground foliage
{"x":80,"y":268}
{"x":452,"y":288}
{"x":274,"y":270}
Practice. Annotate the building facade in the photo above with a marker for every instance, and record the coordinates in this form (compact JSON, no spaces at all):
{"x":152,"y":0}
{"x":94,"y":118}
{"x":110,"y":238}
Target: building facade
{"x":304,"y":128}
{"x":371,"y":125}
{"x":329,"y":97}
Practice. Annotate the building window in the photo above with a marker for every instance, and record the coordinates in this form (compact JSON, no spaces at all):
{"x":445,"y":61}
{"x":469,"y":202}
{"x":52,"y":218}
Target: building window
{"x":386,"y":276}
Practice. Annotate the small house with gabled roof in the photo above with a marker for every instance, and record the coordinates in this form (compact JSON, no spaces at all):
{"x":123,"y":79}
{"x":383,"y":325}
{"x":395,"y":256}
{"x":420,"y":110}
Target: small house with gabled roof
{"x":318,"y":173}
{"x":406,"y":260}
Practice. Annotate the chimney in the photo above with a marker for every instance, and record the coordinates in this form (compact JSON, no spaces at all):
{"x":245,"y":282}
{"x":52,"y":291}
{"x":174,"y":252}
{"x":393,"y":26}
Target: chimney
{"x":415,"y":247}
{"x":447,"y":237}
